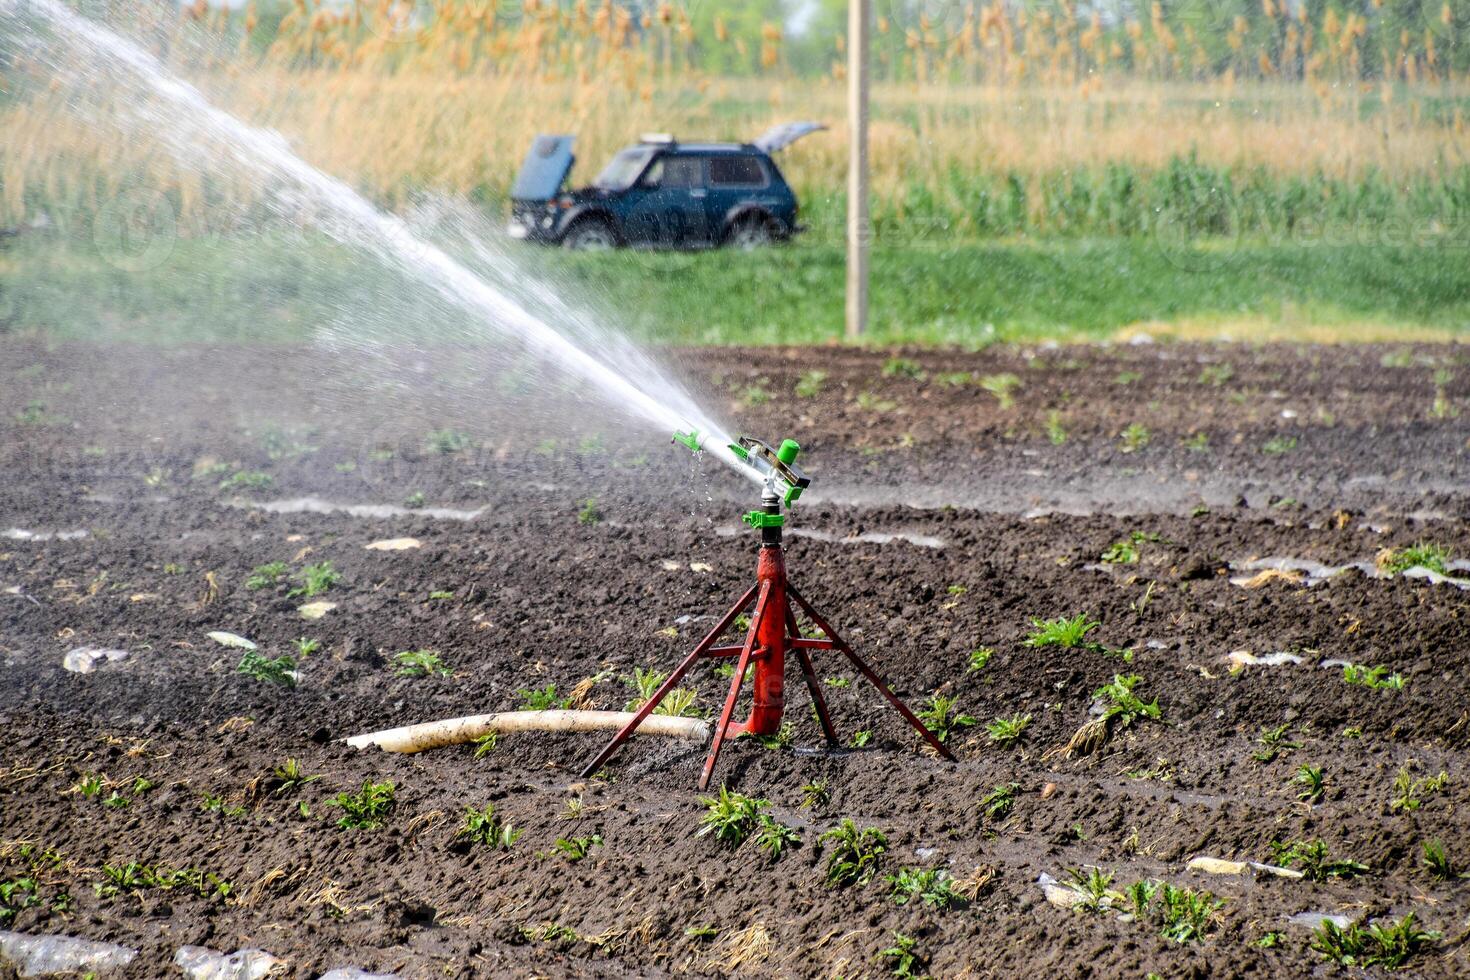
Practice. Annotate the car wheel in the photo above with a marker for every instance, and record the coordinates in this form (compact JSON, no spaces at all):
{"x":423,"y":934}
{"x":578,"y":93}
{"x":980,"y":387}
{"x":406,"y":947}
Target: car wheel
{"x":751,"y":232}
{"x":590,"y":235}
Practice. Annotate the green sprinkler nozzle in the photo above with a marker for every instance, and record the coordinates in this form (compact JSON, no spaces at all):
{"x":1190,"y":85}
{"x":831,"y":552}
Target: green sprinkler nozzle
{"x":690,"y":440}
{"x":788,"y":451}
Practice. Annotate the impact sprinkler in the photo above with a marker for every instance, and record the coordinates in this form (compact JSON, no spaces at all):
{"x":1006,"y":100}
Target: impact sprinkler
{"x":773,"y":629}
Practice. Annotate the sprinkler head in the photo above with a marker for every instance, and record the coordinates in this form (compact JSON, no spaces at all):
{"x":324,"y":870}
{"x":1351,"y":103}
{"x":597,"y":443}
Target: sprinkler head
{"x":691,"y":440}
{"x":777,"y":467}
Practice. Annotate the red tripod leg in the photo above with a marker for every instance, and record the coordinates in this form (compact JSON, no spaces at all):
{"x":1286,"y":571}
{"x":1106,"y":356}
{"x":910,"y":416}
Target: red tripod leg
{"x":668,"y":685}
{"x":809,"y":674}
{"x":867,"y":672}
{"x":735,"y":682}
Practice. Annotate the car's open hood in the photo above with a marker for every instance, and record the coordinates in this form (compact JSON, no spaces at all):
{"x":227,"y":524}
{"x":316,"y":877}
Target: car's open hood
{"x":783,"y":135}
{"x":547,"y":164}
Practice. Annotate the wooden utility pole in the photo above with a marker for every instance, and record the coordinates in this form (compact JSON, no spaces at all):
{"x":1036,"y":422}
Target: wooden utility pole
{"x":859,"y":15}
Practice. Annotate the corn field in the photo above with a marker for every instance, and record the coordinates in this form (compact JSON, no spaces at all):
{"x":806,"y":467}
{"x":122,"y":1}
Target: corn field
{"x":989,"y":119}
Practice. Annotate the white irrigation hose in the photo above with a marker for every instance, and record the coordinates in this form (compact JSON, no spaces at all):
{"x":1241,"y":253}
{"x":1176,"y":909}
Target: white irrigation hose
{"x":458,"y":731}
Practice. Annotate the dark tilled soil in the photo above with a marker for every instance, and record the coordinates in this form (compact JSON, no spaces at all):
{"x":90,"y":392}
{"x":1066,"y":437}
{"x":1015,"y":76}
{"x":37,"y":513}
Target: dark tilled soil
{"x":1312,"y":453}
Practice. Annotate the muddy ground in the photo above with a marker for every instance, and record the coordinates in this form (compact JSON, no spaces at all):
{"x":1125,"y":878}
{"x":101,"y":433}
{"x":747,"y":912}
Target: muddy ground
{"x":139,"y":489}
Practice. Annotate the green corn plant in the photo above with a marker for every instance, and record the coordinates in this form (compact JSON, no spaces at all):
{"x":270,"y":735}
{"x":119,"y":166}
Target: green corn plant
{"x":680,"y":703}
{"x":1002,"y":386}
{"x":1007,"y":731}
{"x":540,"y":699}
{"x":645,"y":683}
{"x":1135,"y":437}
{"x":731,"y":818}
{"x":1274,"y":742}
{"x":980,"y":659}
{"x":1069,"y":634}
{"x":315,"y":579}
{"x":1186,"y":914}
{"x":902,"y":958}
{"x":1312,"y":781}
{"x":943,"y":717}
{"x":280,"y":671}
{"x":853,"y":855}
{"x":1313,"y":860}
{"x":935,"y":888}
{"x":1124,"y":706}
{"x":483,"y":826}
{"x":575,"y":849}
{"x":774,"y":837}
{"x":420,"y":663}
{"x":815,"y":795}
{"x":265,"y":576}
{"x":1407,"y":791}
{"x":367,"y":808}
{"x":1093,"y":889}
{"x":1422,"y":555}
{"x":1389,"y":945}
{"x":999,"y":801}
{"x":1437,"y":861}
{"x":290,"y":778}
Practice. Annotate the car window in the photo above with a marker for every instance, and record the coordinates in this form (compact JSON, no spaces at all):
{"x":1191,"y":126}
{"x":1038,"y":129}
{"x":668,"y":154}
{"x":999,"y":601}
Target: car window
{"x":654,"y":176}
{"x":683,"y":171}
{"x":623,"y":169}
{"x":737,"y":171}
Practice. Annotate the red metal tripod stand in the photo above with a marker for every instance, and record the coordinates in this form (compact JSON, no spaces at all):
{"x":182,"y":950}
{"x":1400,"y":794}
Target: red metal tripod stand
{"x":773,"y":631}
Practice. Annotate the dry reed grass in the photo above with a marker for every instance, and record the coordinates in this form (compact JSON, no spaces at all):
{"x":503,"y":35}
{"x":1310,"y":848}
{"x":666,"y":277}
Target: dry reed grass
{"x":450,"y":105}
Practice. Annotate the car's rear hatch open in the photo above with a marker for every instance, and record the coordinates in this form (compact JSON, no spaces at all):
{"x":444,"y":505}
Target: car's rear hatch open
{"x":545,"y":169}
{"x":783,"y":135}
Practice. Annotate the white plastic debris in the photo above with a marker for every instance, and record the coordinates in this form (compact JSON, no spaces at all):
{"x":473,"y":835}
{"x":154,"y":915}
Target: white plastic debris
{"x":35,"y":956}
{"x":395,"y":544}
{"x":1314,"y":920}
{"x":1419,"y":571}
{"x":315,"y":610}
{"x":200,"y":963}
{"x":315,"y":505}
{"x":1244,"y":658}
{"x":1057,"y":893}
{"x":670,"y":566}
{"x":232,"y":640}
{"x":84,"y":660}
{"x":353,"y":973}
{"x":1218,"y":866}
{"x":700,"y":566}
{"x":21,"y":534}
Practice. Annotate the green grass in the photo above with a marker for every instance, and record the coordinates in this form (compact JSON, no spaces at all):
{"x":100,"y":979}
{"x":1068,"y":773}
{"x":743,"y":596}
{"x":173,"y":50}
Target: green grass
{"x":968,"y":293}
{"x":1425,"y":554}
{"x":485,"y":827}
{"x":367,"y":808}
{"x":1389,"y":944}
{"x":420,"y":663}
{"x":1069,"y":634}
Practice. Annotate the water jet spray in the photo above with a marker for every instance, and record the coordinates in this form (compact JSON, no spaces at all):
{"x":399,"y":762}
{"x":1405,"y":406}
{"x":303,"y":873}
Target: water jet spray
{"x":187,"y":123}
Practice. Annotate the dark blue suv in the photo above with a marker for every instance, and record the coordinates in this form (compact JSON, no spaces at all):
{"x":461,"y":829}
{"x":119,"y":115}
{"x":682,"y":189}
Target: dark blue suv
{"x":659,"y":193}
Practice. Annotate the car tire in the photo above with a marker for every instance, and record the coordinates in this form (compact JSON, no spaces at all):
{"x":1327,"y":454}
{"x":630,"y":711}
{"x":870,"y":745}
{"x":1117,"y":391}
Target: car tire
{"x":751,"y":231}
{"x":589,"y":235}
